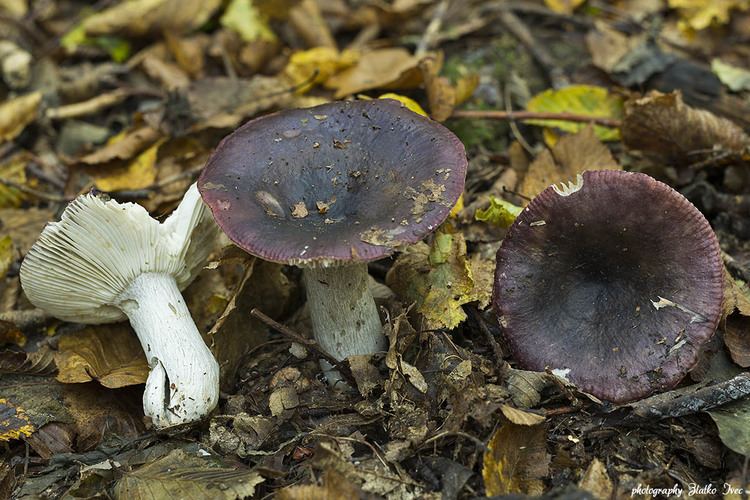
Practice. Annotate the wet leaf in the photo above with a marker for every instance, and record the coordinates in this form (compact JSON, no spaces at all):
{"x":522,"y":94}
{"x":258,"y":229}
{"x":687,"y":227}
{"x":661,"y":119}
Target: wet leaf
{"x":14,"y":423}
{"x":516,"y":460}
{"x":572,"y":155}
{"x":17,"y":113}
{"x":179,"y":475}
{"x":393,"y":68}
{"x":438,"y":279}
{"x":665,"y":128}
{"x":586,"y":100}
{"x":500,"y":213}
{"x":733,"y":420}
{"x":109,"y":354}
{"x":244,"y":17}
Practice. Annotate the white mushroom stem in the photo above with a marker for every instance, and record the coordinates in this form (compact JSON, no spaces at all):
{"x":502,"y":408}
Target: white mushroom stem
{"x":183,"y":385}
{"x":344,"y":317}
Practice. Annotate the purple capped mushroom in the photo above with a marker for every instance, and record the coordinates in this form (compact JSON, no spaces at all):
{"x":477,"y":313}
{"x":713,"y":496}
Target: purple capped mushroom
{"x":329,"y":189}
{"x":614,"y":281}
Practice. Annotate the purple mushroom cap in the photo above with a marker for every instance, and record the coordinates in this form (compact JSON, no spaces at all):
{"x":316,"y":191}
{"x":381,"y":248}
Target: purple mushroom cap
{"x":617,"y":282}
{"x":342,"y":182}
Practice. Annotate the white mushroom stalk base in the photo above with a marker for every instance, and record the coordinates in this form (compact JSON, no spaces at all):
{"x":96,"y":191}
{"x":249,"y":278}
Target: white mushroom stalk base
{"x":183,"y":385}
{"x":343,"y":313}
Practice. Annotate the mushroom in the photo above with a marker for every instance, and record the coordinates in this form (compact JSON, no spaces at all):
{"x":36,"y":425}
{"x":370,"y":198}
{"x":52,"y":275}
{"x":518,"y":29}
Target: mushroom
{"x":614,"y":281}
{"x":328,"y":189}
{"x":104,"y":261}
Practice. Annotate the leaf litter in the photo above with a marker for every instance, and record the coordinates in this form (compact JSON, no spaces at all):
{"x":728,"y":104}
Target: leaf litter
{"x":129,"y":97}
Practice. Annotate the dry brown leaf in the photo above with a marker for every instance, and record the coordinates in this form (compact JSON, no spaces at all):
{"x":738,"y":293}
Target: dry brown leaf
{"x":168,"y":74}
{"x":393,"y":68}
{"x":516,"y":460}
{"x":520,"y":417}
{"x":24,"y":225}
{"x":139,"y":17}
{"x":16,"y":113}
{"x":109,"y":354}
{"x":737,"y":338}
{"x":123,"y":146}
{"x":440,"y":93}
{"x":596,"y":481}
{"x":665,"y":128}
{"x":335,"y":487}
{"x":308,"y":21}
{"x":572,"y":155}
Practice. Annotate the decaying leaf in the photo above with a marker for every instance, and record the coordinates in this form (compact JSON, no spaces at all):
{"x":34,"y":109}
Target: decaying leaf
{"x":586,"y":100}
{"x":17,"y":113}
{"x":563,"y":6}
{"x":394,"y":68}
{"x":313,"y":66}
{"x":179,"y":475}
{"x":664,"y":127}
{"x":500,"y":213}
{"x":240,"y":434}
{"x":14,"y":170}
{"x":438,"y":279}
{"x":109,"y":354}
{"x":516,"y":460}
{"x":6,"y":254}
{"x":335,"y":487}
{"x":572,"y":155}
{"x":138,"y":173}
{"x":733,"y":420}
{"x":24,"y":225}
{"x":521,"y":417}
{"x":14,"y":423}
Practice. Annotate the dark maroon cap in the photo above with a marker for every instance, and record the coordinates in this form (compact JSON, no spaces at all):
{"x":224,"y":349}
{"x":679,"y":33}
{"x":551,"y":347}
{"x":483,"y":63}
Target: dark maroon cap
{"x":345,"y":181}
{"x":620,"y":282}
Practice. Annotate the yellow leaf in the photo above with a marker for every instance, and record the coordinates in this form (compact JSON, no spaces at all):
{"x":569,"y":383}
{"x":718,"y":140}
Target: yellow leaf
{"x":110,"y":354}
{"x":586,"y":100}
{"x":6,"y":254}
{"x":138,"y":174}
{"x":13,"y":170}
{"x":314,"y":66}
{"x":516,"y":460}
{"x":243,"y":17}
{"x":439,"y":279}
{"x":500,"y":213}
{"x":410,"y":103}
{"x":563,"y":6}
{"x":16,"y":113}
{"x":457,"y":207}
{"x":700,"y":14}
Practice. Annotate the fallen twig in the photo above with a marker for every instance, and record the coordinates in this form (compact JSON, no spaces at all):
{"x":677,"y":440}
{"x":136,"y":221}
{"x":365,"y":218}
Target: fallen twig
{"x":535,"y":115}
{"x":309,"y":343}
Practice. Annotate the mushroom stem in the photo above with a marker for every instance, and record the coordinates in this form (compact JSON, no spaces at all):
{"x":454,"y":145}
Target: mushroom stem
{"x":344,"y":317}
{"x":183,"y":384}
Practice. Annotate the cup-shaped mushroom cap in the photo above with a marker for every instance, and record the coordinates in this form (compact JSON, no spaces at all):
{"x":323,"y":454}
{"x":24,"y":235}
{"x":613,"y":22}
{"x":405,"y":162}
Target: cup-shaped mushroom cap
{"x":341,"y":182}
{"x":81,"y":264}
{"x":616,"y":280}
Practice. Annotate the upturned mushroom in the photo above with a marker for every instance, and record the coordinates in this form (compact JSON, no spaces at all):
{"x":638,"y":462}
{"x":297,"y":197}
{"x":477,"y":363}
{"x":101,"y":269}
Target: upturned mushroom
{"x":105,"y":261}
{"x":328,"y":189}
{"x":614,"y":281}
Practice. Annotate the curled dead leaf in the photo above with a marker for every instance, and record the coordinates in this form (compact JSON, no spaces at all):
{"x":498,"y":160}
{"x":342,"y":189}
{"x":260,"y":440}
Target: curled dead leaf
{"x":17,"y":113}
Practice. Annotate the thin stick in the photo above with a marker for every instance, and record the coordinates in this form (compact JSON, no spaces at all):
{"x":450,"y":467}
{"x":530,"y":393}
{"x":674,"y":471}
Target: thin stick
{"x":33,"y":192}
{"x":433,"y":29}
{"x":535,"y":115}
{"x":309,"y":343}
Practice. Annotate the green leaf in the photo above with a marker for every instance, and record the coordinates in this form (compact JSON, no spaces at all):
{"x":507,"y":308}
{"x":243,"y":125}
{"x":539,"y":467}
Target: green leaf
{"x":586,"y":100}
{"x":244,"y":18}
{"x":500,"y":213}
{"x":179,"y":475}
{"x":733,"y":421}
